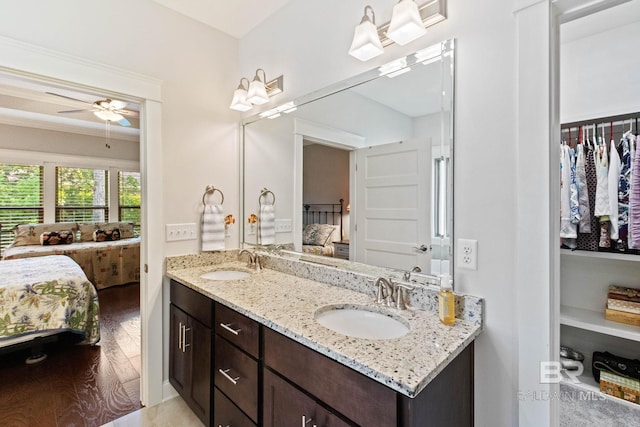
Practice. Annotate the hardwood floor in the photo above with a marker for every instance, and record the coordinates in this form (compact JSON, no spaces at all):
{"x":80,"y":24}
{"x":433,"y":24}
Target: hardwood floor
{"x":79,"y":385}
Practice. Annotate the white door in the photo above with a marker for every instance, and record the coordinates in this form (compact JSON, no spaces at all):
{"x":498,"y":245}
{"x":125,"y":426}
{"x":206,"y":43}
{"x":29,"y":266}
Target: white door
{"x":392,"y":205}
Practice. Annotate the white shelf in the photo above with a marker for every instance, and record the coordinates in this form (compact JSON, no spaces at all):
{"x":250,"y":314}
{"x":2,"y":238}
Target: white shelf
{"x":602,"y":255}
{"x":595,"y":321}
{"x":588,"y":384}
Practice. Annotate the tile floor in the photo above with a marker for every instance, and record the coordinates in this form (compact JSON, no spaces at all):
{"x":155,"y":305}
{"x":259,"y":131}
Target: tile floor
{"x":171,"y":413}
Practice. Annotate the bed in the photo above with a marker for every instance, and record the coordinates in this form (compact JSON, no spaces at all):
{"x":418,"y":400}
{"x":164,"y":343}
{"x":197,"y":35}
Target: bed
{"x":322,"y":225}
{"x":44,"y":296}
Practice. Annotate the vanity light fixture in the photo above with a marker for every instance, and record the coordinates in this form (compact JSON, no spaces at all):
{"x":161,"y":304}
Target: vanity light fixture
{"x":409,"y":21}
{"x":406,"y":24}
{"x":239,"y":101}
{"x":366,"y":41}
{"x":255,"y":93}
{"x":275,"y":112}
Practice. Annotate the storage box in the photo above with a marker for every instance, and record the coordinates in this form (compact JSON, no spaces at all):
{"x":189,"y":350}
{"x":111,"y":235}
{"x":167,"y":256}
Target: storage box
{"x":621,"y":305}
{"x":620,"y":387}
{"x":622,"y":317}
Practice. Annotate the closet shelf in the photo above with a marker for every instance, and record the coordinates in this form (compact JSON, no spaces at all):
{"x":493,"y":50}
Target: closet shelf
{"x":603,"y":255}
{"x":595,"y":321}
{"x":588,"y":384}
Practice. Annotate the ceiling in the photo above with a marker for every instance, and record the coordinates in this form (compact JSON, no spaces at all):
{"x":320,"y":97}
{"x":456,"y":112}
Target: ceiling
{"x":234,"y":17}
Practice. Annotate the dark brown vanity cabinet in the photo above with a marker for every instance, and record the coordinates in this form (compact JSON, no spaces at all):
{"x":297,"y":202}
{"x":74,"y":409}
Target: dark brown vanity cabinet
{"x":237,"y":369}
{"x":190,"y":348}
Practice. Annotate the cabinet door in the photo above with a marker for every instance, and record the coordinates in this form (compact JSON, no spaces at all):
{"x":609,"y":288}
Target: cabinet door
{"x":198,"y":342}
{"x":285,"y":405}
{"x":179,"y":358}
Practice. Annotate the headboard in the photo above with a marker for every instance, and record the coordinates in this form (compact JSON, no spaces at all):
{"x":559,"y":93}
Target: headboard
{"x":323,"y":213}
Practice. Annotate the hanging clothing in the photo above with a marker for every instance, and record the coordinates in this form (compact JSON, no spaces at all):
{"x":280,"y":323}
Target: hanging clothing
{"x":602,"y":207}
{"x":568,"y":230}
{"x":574,"y":204}
{"x":624,"y":184}
{"x":634,"y":202}
{"x":584,"y":225}
{"x":589,"y":241}
{"x":632,"y":155}
{"x":613,"y":179}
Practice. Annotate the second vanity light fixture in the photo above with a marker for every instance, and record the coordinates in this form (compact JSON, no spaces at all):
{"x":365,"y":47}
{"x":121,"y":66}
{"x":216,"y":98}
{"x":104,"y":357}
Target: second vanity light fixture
{"x":408,"y":22}
{"x":256,"y":92}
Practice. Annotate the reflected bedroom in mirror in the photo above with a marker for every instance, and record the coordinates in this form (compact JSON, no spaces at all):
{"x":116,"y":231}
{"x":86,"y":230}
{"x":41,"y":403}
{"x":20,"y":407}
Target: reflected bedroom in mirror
{"x":361,"y":170}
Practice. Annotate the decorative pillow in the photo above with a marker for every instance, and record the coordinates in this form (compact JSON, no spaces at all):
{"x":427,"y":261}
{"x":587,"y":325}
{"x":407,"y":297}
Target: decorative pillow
{"x":29,"y":234}
{"x":56,"y":238}
{"x":87,"y":229}
{"x":317,"y":234}
{"x":106,"y":235}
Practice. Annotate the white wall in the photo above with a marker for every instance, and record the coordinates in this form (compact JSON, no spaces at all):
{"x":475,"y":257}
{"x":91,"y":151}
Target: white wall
{"x":48,"y":141}
{"x":308,"y":43}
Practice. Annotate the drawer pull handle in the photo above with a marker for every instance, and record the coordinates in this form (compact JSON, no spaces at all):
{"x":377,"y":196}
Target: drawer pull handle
{"x":180,"y":336}
{"x":184,"y":338}
{"x":227,"y":326}
{"x":306,"y":421}
{"x":225,"y":373}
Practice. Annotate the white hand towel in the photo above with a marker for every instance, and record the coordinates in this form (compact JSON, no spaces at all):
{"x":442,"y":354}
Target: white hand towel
{"x":267,"y":224}
{"x":212,"y":228}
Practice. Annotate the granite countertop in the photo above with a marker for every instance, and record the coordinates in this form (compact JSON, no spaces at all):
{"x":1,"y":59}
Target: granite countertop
{"x":287,"y":304}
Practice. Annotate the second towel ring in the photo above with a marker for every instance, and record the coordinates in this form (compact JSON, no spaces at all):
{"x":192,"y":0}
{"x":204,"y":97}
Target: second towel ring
{"x":264,"y":193}
{"x":210,"y":190}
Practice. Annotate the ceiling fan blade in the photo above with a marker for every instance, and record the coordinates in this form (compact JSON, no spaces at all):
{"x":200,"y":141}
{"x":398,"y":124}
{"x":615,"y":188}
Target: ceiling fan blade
{"x":68,"y":97}
{"x":73,"y":111}
{"x":129,"y":113}
{"x":124,"y":122}
{"x":117,"y":105}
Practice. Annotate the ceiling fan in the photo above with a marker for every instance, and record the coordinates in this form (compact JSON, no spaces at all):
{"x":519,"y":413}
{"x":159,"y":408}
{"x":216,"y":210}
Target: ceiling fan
{"x":106,"y":109}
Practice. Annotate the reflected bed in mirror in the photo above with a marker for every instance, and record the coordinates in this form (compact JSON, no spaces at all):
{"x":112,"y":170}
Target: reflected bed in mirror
{"x":382,"y":142}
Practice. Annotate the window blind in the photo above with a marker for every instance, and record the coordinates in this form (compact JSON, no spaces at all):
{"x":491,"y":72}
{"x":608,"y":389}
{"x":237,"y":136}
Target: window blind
{"x":82,"y":194}
{"x":129,"y":198}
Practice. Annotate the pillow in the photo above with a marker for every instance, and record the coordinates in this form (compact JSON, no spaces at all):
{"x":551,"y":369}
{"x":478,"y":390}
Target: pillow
{"x":49,"y":238}
{"x":317,"y":234}
{"x":29,"y":234}
{"x":106,"y":235}
{"x":87,"y":229}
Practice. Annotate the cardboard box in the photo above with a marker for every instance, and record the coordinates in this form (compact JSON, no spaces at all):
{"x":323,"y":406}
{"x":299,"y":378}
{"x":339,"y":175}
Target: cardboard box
{"x":620,"y":387}
{"x":622,"y":317}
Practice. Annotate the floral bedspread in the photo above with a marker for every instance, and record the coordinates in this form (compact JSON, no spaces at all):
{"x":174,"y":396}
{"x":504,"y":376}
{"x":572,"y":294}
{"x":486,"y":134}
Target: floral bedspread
{"x":47,"y":293}
{"x":105,"y":263}
{"x":318,"y":250}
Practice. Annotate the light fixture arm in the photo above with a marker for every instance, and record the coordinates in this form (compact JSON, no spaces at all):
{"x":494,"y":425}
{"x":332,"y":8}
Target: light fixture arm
{"x":242,"y":86}
{"x":257,"y":77}
{"x":365,"y":17}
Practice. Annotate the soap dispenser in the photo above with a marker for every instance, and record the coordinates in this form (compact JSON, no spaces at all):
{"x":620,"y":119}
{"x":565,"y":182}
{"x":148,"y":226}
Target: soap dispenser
{"x":446,"y":301}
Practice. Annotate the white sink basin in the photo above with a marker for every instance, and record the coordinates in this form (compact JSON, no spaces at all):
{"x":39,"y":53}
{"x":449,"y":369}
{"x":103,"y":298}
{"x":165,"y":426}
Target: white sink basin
{"x":226,"y":275}
{"x":361,"y":322}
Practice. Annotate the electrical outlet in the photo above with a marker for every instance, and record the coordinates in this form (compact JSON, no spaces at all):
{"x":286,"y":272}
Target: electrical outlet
{"x":181,"y":232}
{"x":468,"y":254}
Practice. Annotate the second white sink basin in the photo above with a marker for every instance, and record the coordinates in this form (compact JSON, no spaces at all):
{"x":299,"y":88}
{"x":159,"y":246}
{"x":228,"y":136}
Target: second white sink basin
{"x":225,"y":275}
{"x":361,"y":322}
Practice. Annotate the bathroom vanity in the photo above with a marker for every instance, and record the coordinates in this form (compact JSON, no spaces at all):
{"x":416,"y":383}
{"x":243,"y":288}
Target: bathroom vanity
{"x":266,"y":361}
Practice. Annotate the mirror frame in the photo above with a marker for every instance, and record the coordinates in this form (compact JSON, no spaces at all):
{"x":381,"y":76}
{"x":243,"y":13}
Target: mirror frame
{"x":446,"y":48}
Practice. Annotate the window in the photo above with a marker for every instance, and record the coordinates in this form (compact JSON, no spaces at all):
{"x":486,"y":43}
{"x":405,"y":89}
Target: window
{"x":21,"y":197}
{"x":82,"y":195}
{"x":129,"y":198}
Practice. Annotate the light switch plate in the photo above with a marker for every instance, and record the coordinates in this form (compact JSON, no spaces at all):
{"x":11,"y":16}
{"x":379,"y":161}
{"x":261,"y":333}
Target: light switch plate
{"x":284,"y":225}
{"x":181,"y":232}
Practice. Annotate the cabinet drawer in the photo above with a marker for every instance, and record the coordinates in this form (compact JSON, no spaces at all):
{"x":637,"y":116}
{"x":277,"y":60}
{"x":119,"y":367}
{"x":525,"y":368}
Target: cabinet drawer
{"x":236,"y":375}
{"x":198,"y":306}
{"x":225,"y":413}
{"x":285,"y":405}
{"x":359,"y":398}
{"x":238,"y":329}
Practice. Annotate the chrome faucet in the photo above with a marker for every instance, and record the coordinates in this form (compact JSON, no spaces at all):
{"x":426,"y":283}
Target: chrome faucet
{"x":407,"y":274}
{"x":253,"y":261}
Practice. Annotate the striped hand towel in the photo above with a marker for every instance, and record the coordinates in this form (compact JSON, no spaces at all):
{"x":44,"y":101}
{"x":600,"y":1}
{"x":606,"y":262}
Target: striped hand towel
{"x":212,"y":228}
{"x":267,"y":224}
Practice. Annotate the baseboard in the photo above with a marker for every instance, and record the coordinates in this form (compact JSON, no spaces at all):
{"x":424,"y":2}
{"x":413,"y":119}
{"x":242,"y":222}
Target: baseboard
{"x":168,"y":392}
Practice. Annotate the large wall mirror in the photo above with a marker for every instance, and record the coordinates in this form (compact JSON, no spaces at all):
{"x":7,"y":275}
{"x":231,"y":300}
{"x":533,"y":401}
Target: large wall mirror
{"x":361,"y":170}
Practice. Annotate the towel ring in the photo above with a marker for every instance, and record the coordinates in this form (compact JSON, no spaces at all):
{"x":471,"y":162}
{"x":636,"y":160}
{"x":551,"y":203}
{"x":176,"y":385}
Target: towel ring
{"x":264,"y":193}
{"x":210,"y":190}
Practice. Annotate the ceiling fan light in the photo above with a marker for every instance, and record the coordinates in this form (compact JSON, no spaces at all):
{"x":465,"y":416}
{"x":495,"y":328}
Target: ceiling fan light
{"x":366,"y":41}
{"x":257,"y":93}
{"x":406,"y":23}
{"x":108,"y":115}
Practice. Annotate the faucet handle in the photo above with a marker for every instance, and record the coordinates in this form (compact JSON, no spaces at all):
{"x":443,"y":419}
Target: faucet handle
{"x":401,"y":294}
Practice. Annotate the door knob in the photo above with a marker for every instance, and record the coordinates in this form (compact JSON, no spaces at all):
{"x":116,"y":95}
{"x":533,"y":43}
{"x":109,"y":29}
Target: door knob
{"x":423,"y":248}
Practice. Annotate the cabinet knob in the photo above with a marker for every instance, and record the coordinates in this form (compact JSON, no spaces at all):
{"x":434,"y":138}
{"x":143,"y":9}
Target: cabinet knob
{"x":227,"y":327}
{"x":225,"y":373}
